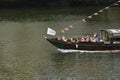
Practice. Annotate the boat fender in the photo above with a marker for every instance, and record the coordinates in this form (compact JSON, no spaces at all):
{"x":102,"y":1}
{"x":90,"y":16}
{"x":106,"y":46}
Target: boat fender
{"x":76,"y":45}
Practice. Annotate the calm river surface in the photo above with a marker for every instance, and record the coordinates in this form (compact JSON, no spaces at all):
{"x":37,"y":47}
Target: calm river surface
{"x":26,"y":55}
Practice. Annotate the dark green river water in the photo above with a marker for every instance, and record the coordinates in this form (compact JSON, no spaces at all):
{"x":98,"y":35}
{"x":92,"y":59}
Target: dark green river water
{"x":26,"y":55}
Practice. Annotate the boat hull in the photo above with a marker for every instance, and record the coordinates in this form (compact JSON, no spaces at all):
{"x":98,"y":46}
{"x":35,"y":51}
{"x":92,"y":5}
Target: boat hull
{"x":91,"y":46}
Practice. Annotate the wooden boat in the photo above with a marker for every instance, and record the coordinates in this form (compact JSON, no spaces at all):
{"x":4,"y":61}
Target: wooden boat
{"x":108,"y":39}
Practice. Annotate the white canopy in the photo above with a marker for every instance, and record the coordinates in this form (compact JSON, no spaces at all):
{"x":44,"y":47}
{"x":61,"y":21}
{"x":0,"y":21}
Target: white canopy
{"x":113,"y":32}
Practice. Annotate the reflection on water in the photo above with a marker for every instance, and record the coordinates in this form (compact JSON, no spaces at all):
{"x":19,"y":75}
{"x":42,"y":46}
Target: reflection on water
{"x":81,"y":67}
{"x":26,"y":55}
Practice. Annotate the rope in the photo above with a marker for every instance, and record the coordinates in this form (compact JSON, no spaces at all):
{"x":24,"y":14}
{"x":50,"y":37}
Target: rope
{"x":84,"y":20}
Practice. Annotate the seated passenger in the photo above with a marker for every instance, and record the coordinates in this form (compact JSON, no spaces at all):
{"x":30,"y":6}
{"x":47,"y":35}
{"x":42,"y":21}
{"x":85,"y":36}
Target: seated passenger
{"x":95,"y":35}
{"x":92,"y":39}
{"x":69,"y":40}
{"x":64,"y":39}
{"x":58,"y":38}
{"x":83,"y":40}
{"x":87,"y":38}
{"x":98,"y":38}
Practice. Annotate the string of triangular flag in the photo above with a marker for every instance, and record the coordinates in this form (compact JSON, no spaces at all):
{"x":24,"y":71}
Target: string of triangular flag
{"x":84,"y":20}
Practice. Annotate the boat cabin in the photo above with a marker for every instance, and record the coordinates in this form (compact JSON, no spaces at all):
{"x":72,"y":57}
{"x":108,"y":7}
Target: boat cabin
{"x":111,"y":35}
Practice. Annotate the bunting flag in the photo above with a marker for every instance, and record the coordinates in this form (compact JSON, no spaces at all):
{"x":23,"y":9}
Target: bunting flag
{"x":84,"y":20}
{"x":118,"y":1}
{"x":89,"y":16}
{"x":71,"y":26}
{"x":66,"y":29}
{"x":116,"y":4}
{"x":106,"y":7}
{"x":100,"y":11}
{"x":62,"y":31}
{"x":95,"y":14}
